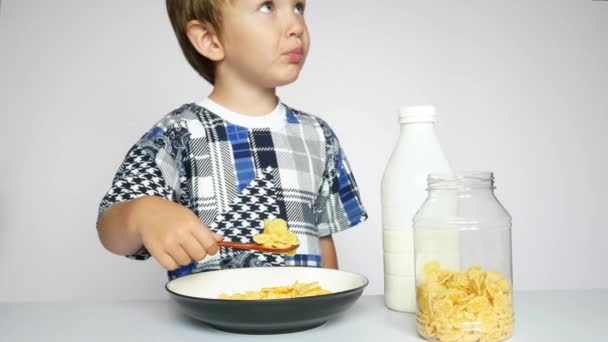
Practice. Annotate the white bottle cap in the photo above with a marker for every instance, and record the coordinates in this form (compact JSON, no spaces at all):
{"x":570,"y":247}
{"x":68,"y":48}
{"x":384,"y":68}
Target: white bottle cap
{"x":417,"y":114}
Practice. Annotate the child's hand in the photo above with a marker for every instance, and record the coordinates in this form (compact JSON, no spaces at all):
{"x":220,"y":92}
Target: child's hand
{"x":171,"y":233}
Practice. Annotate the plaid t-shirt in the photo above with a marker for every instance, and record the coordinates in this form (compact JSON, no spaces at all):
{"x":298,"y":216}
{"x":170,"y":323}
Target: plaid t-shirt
{"x":234,"y":171}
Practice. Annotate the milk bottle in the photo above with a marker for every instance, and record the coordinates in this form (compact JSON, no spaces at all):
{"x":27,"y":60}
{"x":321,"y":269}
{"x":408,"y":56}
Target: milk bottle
{"x":416,"y":154}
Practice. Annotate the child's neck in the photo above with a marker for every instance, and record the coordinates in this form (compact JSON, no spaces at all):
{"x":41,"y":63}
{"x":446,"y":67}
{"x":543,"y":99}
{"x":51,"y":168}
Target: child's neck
{"x":244,"y":98}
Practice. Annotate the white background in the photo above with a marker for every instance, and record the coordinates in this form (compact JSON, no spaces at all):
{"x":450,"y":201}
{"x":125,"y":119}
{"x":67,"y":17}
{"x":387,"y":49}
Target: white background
{"x":521,"y":88}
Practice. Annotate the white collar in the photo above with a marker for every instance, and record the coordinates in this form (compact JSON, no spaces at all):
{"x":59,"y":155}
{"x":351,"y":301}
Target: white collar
{"x":274,"y":119}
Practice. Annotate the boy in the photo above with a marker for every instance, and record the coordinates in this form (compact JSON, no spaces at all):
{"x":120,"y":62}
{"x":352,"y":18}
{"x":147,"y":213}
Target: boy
{"x":215,"y":170}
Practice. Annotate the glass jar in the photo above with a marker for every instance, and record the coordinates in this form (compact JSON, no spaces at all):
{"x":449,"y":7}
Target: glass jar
{"x":462,"y":243}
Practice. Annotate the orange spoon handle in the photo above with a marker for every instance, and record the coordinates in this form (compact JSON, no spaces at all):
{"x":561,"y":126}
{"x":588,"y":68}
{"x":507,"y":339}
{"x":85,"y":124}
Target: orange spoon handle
{"x":256,"y":247}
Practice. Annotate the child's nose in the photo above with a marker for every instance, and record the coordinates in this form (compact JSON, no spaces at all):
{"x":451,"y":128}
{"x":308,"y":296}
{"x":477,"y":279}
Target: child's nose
{"x":295,"y":26}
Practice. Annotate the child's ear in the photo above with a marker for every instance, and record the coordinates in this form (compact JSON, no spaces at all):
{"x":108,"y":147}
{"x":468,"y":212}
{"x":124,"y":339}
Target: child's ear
{"x":204,"y":39}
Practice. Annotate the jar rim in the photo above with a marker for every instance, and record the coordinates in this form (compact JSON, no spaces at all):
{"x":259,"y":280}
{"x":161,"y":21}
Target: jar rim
{"x":462,"y":181}
{"x":461,"y":175}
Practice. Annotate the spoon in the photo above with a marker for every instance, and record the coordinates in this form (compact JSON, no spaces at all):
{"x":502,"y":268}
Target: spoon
{"x":257,"y":247}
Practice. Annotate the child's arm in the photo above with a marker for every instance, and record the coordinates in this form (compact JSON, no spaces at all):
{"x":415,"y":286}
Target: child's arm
{"x":171,"y":233}
{"x":328,"y":253}
{"x":141,"y":214}
{"x":338,"y":203}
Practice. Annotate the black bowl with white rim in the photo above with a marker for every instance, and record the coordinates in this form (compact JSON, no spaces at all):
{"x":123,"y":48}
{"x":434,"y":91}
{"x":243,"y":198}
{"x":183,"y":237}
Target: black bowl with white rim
{"x":198,"y":296}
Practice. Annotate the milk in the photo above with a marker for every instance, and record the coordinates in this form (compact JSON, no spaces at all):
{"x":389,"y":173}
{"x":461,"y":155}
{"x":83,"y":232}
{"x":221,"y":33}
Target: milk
{"x":417,"y":154}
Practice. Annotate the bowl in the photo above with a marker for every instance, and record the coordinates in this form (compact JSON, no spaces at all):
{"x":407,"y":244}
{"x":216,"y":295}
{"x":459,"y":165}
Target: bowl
{"x":197,"y":296}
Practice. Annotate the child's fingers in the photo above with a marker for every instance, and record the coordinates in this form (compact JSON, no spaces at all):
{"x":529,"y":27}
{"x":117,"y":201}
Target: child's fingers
{"x":217,"y":236}
{"x":205,"y":237}
{"x":167,"y":261}
{"x":180,"y":256}
{"x":195,"y":250}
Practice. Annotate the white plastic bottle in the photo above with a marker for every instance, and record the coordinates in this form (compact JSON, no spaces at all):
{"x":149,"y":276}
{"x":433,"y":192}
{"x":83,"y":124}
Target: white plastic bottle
{"x":417,"y":154}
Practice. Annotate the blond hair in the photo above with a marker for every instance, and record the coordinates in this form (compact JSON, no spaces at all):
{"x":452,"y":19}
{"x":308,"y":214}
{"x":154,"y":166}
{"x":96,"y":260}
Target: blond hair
{"x":183,"y":11}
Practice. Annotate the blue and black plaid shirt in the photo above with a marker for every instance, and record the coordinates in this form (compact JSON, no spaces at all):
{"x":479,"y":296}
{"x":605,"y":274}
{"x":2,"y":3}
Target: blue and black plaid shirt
{"x":234,"y":176}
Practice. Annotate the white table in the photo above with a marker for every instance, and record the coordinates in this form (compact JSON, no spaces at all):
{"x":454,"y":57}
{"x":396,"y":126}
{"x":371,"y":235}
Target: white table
{"x":575,"y":316}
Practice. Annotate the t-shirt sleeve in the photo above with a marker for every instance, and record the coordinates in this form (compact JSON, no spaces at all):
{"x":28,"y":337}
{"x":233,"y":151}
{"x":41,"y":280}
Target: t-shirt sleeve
{"x":149,"y":169}
{"x":338,"y":205}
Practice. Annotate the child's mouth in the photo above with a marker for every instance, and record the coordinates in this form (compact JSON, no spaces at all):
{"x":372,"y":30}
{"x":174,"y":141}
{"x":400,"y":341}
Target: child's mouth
{"x":295,"y":55}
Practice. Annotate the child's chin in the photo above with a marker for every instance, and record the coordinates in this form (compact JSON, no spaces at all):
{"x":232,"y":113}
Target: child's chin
{"x":285,"y":82}
{"x":286,"y":79}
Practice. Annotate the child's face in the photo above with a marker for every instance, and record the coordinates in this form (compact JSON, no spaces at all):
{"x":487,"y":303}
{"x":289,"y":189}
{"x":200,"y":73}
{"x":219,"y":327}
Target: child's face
{"x":265,"y":42}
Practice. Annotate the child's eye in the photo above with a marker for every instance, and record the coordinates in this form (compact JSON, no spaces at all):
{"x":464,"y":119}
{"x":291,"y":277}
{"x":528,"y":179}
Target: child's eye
{"x":266,"y":7}
{"x":299,"y":9}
